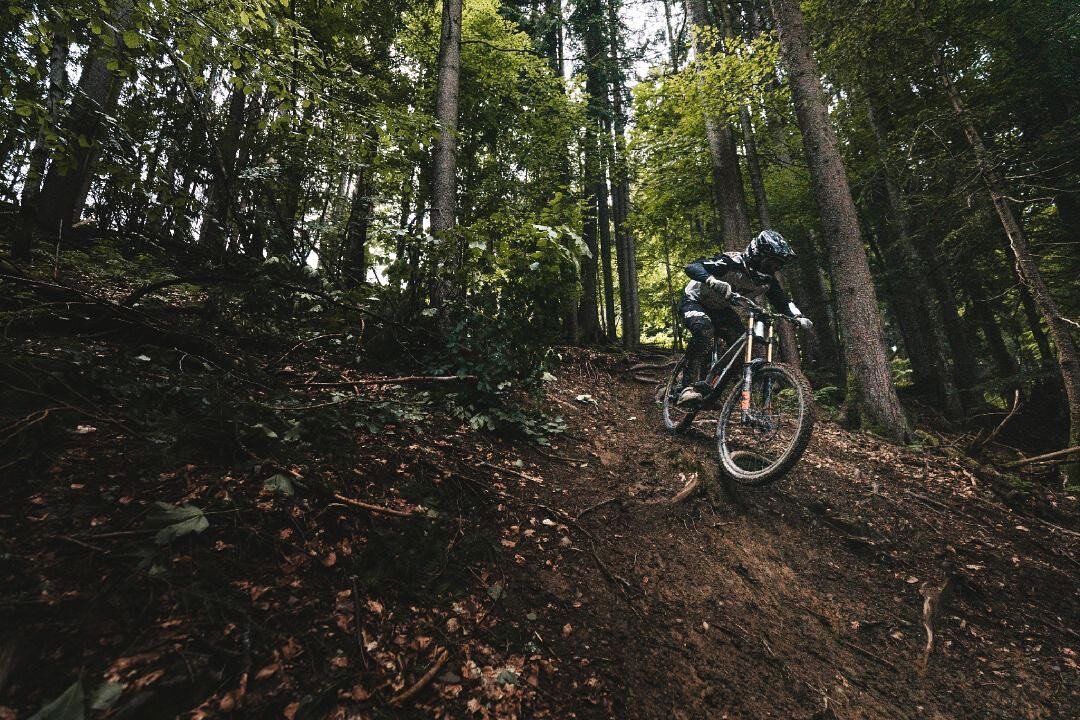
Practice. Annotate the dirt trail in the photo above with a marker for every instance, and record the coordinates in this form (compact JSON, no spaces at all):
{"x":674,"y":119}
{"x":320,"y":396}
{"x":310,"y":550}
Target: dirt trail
{"x":481,"y":578}
{"x":813,"y":600}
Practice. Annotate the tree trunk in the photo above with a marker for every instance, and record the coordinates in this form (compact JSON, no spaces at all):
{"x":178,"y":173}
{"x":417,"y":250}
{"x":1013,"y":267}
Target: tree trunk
{"x":921,"y":324}
{"x":588,"y":321}
{"x":958,"y":334}
{"x":551,"y":35}
{"x":1005,"y":365}
{"x":63,"y":192}
{"x":1026,"y":266}
{"x":674,"y":38}
{"x":215,"y":219}
{"x":356,"y":230}
{"x":58,"y":57}
{"x":818,"y":306}
{"x":789,"y":342}
{"x":727,"y":178}
{"x":676,"y":336}
{"x":872,"y":397}
{"x":444,"y":196}
{"x":754,"y":167}
{"x":600,"y":192}
{"x":620,"y":182}
{"x":591,"y":21}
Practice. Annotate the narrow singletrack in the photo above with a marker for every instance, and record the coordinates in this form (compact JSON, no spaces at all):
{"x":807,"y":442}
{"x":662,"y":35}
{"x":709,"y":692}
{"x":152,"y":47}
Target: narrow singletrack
{"x":813,"y":599}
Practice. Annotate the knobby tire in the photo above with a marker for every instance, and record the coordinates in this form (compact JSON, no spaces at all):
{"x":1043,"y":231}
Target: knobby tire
{"x":776,"y":467}
{"x":675,"y":419}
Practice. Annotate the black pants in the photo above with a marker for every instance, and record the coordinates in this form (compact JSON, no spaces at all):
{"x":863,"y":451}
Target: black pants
{"x":705,"y":324}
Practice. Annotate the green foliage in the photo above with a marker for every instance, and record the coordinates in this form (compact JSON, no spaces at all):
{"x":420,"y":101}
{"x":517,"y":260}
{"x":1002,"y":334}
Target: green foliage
{"x":69,"y":706}
{"x":176,"y":522}
{"x":900,"y":368}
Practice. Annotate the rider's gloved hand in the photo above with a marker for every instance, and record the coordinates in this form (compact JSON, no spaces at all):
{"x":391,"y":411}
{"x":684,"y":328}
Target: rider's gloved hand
{"x":719,"y":285}
{"x":804,"y":322}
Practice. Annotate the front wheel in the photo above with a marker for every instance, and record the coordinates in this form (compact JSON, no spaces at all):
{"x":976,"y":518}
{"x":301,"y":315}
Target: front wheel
{"x":761,"y":437}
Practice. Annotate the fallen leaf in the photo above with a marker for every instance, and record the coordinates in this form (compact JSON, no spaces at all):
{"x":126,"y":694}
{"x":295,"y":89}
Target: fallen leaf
{"x":267,"y":671}
{"x":291,"y":649}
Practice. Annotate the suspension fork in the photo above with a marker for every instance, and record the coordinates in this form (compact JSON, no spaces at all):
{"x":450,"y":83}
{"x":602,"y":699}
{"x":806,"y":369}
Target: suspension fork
{"x":748,"y":368}
{"x":768,"y":390}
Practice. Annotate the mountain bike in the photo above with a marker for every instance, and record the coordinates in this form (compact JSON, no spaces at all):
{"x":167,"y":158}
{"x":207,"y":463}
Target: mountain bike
{"x":766,"y":409}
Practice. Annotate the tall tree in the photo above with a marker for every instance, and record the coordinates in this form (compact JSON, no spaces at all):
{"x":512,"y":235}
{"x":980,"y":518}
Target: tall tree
{"x":1026,"y":266}
{"x":920,"y":318}
{"x":620,"y":183}
{"x":444,"y":193}
{"x":589,"y":22}
{"x":871,"y":395}
{"x":39,"y":155}
{"x":213,"y":231}
{"x":727,"y":178}
{"x":65,"y":186}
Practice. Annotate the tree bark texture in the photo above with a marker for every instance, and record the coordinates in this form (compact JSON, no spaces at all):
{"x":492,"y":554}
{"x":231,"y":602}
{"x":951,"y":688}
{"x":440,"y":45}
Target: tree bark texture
{"x":872,"y":397}
{"x":64,"y":189}
{"x":620,"y":182}
{"x":444,"y":195}
{"x":591,"y":19}
{"x":603,"y":217}
{"x":727,"y":178}
{"x":1026,"y":266}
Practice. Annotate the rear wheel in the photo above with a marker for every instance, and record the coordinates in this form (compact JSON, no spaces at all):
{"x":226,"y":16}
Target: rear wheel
{"x":676,"y":419}
{"x":763,"y":439}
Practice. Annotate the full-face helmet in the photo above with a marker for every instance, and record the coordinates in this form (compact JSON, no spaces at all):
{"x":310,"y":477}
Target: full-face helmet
{"x":768,"y":252}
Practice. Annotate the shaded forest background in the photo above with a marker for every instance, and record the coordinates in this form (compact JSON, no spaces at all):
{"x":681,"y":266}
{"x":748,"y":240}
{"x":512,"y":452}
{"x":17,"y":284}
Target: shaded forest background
{"x":325,"y":326}
{"x":307,"y":150}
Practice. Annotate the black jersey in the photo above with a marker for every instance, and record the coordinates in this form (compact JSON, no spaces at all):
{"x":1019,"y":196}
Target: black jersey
{"x":731,"y":267}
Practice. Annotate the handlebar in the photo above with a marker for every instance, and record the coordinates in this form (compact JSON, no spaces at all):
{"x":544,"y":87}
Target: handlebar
{"x":737,"y":299}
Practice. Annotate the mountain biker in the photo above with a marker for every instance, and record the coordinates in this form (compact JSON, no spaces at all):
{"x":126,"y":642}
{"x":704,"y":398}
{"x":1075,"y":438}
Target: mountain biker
{"x":705,"y":309}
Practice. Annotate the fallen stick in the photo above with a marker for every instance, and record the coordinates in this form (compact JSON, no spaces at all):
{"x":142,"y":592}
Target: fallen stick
{"x":651,"y":366}
{"x":521,"y":475}
{"x":597,"y":506}
{"x":408,"y":379}
{"x":419,"y":685}
{"x":372,"y":507}
{"x":992,"y":435}
{"x":553,"y":456}
{"x":1047,"y":456}
{"x":931,"y":604}
{"x":868,"y":654}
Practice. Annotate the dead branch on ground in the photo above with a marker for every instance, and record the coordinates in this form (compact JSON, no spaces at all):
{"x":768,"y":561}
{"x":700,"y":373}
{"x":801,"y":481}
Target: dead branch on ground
{"x":372,"y":507}
{"x":933,"y":598}
{"x":1040,"y":458}
{"x":1003,"y":423}
{"x":427,"y":677}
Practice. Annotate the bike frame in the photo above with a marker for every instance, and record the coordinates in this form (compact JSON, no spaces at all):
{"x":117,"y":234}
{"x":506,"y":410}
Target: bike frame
{"x":745,"y":344}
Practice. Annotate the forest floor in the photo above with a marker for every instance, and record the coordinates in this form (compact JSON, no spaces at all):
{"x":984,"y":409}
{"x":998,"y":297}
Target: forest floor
{"x":427,"y":569}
